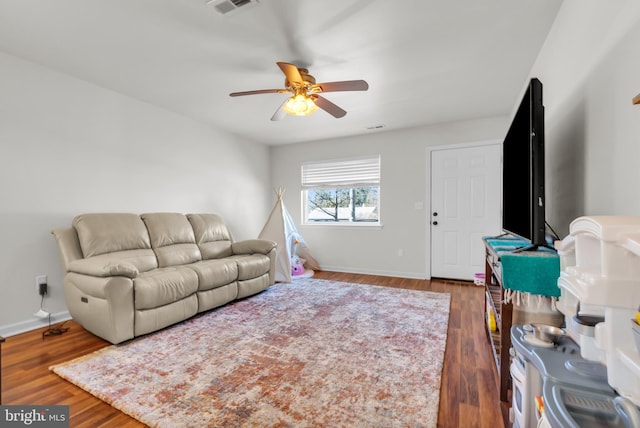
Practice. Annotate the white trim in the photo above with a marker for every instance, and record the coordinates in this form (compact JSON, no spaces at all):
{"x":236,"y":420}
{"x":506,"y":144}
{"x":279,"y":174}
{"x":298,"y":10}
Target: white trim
{"x":427,"y":219}
{"x":34,"y":324}
{"x":411,"y":275}
{"x":343,"y":225}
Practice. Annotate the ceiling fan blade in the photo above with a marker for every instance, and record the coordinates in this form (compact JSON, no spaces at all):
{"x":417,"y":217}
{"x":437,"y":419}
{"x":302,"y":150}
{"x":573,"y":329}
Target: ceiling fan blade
{"x":259,"y":91}
{"x":292,"y":73}
{"x":347,"y":85}
{"x":329,"y":107}
{"x":280,"y":113}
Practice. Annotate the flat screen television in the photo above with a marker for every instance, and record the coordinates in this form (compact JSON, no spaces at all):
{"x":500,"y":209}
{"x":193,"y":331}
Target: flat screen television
{"x":523,"y":208}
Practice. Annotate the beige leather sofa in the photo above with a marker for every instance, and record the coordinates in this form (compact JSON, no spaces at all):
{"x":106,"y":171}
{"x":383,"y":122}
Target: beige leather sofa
{"x":129,"y":275}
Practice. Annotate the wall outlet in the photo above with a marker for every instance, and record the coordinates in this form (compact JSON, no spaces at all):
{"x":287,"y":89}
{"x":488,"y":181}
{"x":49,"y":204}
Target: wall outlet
{"x":41,"y":285}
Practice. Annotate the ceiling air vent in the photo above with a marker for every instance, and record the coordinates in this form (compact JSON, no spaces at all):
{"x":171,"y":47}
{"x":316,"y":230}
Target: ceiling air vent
{"x":224,"y":7}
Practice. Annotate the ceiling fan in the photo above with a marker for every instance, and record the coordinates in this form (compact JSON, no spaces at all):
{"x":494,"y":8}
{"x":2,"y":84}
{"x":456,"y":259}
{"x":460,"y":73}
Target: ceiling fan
{"x":305,"y":98}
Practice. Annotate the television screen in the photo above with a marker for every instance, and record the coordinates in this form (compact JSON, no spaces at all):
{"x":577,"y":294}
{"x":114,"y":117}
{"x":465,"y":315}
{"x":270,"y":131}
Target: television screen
{"x":523,"y":170}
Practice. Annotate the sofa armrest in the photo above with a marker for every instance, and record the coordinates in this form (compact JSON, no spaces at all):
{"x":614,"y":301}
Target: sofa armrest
{"x":252,"y":246}
{"x":70,"y":250}
{"x":103,"y":270}
{"x":104,"y":306}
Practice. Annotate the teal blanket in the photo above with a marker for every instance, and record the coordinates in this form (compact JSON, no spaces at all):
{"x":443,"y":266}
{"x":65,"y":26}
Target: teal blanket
{"x":534,"y":272}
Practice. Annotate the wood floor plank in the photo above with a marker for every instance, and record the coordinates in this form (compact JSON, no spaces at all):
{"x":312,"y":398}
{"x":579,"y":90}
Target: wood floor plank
{"x":448,"y":411}
{"x":469,"y":416}
{"x":486,"y":390}
{"x":468,"y":398}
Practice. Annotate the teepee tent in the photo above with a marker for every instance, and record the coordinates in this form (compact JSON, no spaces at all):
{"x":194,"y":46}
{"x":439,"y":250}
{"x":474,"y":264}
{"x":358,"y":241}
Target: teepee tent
{"x":281,"y":229}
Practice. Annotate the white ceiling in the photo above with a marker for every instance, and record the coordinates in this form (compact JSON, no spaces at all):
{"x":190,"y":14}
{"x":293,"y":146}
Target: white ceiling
{"x":426,"y":61}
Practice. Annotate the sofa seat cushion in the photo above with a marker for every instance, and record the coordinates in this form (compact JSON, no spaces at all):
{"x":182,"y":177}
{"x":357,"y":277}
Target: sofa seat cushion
{"x":177,"y":255}
{"x":251,"y":265}
{"x":163,"y":286}
{"x":215,"y":273}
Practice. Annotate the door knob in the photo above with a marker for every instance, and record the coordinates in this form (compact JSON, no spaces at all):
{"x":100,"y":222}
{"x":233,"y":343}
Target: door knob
{"x":435,"y":223}
{"x":435,"y":214}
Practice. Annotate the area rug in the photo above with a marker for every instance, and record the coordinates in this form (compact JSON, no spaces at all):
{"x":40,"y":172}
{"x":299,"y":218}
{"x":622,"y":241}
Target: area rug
{"x":313,"y":353}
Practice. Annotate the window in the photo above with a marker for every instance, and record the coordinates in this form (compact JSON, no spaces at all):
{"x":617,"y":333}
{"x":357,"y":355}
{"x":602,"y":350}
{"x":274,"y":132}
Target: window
{"x":343,"y":191}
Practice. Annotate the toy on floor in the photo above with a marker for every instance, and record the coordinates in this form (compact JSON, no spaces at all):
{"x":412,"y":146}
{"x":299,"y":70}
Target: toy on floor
{"x":297,"y":264}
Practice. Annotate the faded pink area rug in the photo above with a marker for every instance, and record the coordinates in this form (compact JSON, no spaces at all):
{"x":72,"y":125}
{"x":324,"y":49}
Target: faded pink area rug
{"x":314,"y":353}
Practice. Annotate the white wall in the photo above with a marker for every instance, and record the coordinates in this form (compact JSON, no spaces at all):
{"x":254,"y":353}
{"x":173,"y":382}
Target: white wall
{"x":69,"y":147}
{"x":590,"y":69}
{"x":403,"y":174}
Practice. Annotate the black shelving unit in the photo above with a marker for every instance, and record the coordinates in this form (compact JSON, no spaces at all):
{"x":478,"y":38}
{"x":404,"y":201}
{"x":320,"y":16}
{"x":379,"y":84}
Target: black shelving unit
{"x":500,"y":339}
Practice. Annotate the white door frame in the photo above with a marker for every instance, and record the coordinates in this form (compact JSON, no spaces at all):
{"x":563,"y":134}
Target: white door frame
{"x":428,"y":211}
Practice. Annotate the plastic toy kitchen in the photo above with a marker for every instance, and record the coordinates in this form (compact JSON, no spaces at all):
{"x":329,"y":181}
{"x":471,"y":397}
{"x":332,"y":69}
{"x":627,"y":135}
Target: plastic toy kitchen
{"x":587,"y":374}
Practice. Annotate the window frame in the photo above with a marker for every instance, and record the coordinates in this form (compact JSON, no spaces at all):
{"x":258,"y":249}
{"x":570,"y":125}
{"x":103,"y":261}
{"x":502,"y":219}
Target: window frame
{"x":336,"y":174}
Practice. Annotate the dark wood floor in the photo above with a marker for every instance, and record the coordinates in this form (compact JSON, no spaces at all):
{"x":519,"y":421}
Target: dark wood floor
{"x":468,"y":398}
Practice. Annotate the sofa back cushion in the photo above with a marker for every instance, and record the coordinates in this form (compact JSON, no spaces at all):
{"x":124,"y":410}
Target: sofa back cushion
{"x":212,"y":235}
{"x":172,"y":238}
{"x":110,"y":232}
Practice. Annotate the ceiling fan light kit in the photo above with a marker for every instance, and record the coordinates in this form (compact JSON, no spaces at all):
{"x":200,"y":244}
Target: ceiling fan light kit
{"x":300,"y":105}
{"x":305,"y":99}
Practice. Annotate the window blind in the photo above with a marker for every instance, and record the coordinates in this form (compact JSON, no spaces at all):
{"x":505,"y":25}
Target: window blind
{"x":357,"y":172}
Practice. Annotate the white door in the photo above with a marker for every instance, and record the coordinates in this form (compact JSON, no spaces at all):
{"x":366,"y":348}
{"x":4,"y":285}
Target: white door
{"x":466,"y":189}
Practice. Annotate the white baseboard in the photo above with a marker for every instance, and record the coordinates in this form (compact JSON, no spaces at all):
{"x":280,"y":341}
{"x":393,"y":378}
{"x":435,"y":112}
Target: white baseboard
{"x":412,"y":275}
{"x":36,"y":323}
